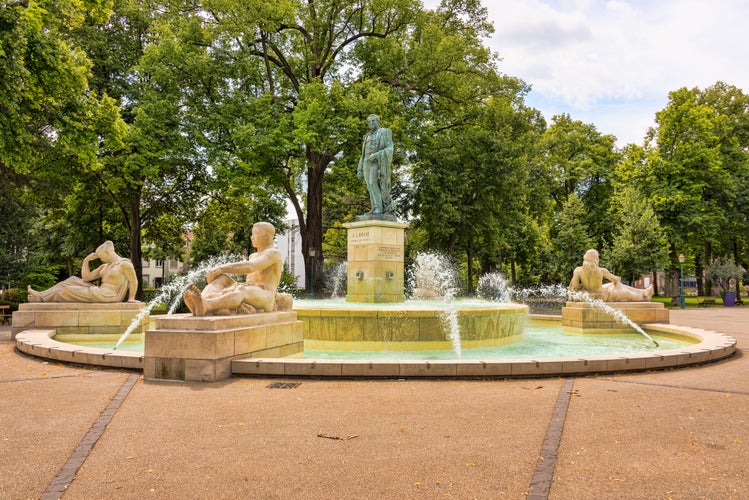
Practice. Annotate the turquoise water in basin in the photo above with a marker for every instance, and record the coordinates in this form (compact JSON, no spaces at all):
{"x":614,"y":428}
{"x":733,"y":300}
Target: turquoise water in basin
{"x":540,"y":340}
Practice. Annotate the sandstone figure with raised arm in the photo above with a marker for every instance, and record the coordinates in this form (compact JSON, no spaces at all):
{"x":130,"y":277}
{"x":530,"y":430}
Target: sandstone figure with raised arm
{"x":589,"y":278}
{"x":223,"y":295}
{"x":117,"y":275}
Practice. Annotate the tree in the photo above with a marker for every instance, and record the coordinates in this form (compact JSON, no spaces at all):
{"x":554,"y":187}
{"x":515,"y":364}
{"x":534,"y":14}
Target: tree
{"x":470,"y":180}
{"x":724,"y":272}
{"x":225,"y":224}
{"x":639,"y":245}
{"x":578,"y":159}
{"x":15,"y":238}
{"x":156,"y":175}
{"x":686,"y":178}
{"x":730,"y":103}
{"x":48,"y":112}
{"x":570,"y":239}
{"x":280,"y":91}
{"x":53,"y":123}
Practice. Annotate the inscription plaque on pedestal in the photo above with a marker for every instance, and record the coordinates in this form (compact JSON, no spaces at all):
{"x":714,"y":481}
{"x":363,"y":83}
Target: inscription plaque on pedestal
{"x":375,"y":261}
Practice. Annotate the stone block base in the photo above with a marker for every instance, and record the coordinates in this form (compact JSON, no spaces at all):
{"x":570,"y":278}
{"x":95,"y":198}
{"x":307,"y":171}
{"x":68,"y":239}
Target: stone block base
{"x":585,"y":316}
{"x":78,"y":317}
{"x":185,"y":347}
{"x":375,"y":261}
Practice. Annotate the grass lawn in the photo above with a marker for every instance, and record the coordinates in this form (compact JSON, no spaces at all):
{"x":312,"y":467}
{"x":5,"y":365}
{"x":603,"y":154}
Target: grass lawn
{"x":690,"y":301}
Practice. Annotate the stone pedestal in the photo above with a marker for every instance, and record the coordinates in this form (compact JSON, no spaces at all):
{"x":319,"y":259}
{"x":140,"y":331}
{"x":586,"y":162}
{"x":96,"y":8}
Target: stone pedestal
{"x":78,"y":317}
{"x":410,"y":327}
{"x":185,"y":347}
{"x":375,"y":261}
{"x":585,"y":316}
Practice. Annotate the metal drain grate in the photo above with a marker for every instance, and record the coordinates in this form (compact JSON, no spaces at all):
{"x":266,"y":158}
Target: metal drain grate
{"x":284,"y":385}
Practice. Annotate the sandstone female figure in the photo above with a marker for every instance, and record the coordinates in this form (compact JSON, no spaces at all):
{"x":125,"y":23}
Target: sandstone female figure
{"x":118,"y":281}
{"x":589,"y":278}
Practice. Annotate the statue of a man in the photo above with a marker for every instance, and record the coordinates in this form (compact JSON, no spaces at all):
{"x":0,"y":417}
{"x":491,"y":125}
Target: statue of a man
{"x":375,"y":166}
{"x":225,"y":296}
{"x":589,"y":278}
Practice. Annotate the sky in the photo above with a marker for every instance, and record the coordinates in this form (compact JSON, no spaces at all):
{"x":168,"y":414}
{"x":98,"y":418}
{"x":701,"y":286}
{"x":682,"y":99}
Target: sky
{"x":613,"y":63}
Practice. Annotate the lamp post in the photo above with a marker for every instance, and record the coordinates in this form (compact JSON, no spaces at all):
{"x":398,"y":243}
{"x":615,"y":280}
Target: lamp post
{"x":681,"y":281}
{"x":312,"y":272}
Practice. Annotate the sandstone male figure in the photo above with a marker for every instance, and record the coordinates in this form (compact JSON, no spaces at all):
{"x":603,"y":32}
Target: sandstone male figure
{"x":589,"y":278}
{"x":375,"y":166}
{"x":224,"y":295}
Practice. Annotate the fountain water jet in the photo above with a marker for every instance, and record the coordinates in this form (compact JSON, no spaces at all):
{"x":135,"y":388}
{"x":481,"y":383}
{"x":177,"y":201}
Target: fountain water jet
{"x":174,"y":290}
{"x":494,"y":285}
{"x":617,"y":314}
{"x":337,"y":278}
{"x":434,"y":277}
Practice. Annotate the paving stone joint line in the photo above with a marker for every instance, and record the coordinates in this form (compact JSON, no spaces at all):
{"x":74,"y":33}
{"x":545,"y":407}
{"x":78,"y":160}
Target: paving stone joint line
{"x":543,"y":474}
{"x":674,"y":386}
{"x":66,"y":475}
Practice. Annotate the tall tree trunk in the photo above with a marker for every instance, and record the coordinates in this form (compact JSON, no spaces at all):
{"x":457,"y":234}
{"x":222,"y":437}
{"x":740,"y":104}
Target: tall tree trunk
{"x":451,"y":244}
{"x":469,"y":256}
{"x":312,"y":236}
{"x":699,"y":271}
{"x":708,"y":261}
{"x":737,"y":261}
{"x":513,"y":272}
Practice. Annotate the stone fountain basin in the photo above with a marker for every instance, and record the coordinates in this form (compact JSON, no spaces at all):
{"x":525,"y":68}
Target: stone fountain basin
{"x":710,"y":347}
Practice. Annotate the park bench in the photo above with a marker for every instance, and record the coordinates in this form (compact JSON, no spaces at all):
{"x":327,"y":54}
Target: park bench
{"x":705,"y":302}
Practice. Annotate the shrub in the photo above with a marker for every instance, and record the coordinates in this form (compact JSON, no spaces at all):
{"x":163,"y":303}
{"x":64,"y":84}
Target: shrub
{"x":722,"y":271}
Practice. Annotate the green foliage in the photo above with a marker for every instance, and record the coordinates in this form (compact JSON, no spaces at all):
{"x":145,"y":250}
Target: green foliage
{"x":15,"y":239}
{"x":225,"y":224}
{"x":570,"y":239}
{"x":723,"y":271}
{"x":639,"y":245}
{"x":44,"y":84}
{"x":694,"y":168}
{"x":686,"y":179}
{"x":577,"y":159}
{"x":288,"y":281}
{"x":470,"y":180}
{"x":13,"y":297}
{"x":335,"y":243}
{"x":126,"y":120}
{"x":42,"y":277}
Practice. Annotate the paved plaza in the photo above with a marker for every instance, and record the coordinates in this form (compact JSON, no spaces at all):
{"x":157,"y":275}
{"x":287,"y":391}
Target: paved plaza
{"x":86,"y":433}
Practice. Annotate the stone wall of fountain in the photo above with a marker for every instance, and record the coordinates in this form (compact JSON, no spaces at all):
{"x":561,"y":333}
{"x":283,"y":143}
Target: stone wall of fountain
{"x":411,"y":326}
{"x":589,"y":315}
{"x":201,"y":349}
{"x":78,"y":318}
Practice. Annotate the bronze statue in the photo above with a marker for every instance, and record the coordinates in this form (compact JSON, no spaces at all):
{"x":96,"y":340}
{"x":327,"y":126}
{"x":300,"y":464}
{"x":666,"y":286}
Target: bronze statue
{"x":375,"y":166}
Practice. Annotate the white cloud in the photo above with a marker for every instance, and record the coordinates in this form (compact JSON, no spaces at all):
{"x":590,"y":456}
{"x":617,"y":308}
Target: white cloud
{"x":612,"y":63}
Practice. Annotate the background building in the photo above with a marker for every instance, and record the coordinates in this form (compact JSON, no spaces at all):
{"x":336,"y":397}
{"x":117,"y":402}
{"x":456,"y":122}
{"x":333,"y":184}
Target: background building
{"x":290,"y":245}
